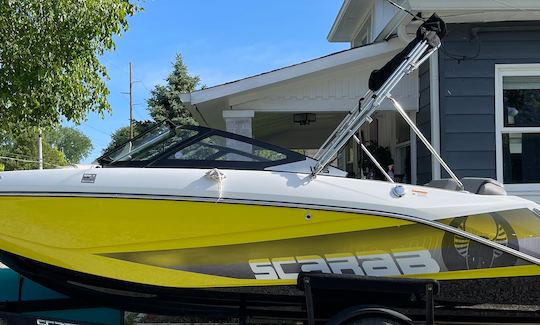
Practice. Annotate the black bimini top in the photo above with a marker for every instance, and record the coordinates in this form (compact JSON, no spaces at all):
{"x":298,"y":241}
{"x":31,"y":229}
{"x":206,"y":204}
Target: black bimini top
{"x":169,"y":146}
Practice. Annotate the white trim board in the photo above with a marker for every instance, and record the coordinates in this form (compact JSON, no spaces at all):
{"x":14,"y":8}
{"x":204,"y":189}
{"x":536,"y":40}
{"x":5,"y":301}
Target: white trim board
{"x":337,"y":22}
{"x":501,"y":70}
{"x":435,"y":115}
{"x":414,"y":153}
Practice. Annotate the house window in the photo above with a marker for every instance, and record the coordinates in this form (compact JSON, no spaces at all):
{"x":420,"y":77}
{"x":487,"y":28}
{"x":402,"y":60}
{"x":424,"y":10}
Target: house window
{"x":518,"y":123}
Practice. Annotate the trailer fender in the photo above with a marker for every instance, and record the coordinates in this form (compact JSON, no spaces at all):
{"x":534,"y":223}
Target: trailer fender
{"x":364,"y":312}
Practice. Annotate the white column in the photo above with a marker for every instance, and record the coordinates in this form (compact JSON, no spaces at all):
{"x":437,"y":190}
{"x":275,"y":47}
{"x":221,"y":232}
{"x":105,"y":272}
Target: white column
{"x":414,"y":152}
{"x":435,"y":117}
{"x":239,"y":122}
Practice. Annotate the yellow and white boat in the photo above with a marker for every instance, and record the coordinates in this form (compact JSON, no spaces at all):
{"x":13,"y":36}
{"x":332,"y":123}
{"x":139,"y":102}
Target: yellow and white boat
{"x":188,"y":208}
{"x":257,"y":220}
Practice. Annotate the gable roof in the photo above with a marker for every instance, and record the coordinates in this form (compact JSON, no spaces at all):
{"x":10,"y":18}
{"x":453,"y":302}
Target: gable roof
{"x":326,"y":62}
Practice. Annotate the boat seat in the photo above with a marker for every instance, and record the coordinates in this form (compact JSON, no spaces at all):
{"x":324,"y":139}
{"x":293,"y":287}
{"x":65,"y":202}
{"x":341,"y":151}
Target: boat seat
{"x":483,"y":186}
{"x":444,"y":184}
{"x":476,"y":185}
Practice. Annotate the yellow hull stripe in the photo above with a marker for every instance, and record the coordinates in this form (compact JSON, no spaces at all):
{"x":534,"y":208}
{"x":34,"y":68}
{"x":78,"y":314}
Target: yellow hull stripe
{"x":74,"y":233}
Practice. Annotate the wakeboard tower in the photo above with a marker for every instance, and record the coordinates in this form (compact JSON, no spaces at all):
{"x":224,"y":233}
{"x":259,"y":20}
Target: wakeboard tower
{"x":184,"y":215}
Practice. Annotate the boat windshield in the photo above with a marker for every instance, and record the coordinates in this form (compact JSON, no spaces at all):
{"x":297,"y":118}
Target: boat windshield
{"x":158,"y":139}
{"x":169,"y":146}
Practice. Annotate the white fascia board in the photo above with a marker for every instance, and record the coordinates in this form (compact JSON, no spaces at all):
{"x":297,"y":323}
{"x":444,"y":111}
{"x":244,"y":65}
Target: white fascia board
{"x":350,"y":20}
{"x":185,"y":98}
{"x":337,"y":22}
{"x":485,"y":5}
{"x":295,"y":71}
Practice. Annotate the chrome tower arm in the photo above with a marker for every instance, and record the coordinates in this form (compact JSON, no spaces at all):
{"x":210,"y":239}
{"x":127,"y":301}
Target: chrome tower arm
{"x":359,"y":115}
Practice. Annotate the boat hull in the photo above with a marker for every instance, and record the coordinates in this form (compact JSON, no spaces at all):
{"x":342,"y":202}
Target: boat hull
{"x":282,"y":302}
{"x":197,"y":244}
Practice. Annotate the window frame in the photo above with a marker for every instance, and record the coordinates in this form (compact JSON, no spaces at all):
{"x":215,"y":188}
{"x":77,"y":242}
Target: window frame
{"x":501,"y":71}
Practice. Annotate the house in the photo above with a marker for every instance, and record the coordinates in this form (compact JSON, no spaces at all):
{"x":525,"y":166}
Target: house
{"x":477,"y":100}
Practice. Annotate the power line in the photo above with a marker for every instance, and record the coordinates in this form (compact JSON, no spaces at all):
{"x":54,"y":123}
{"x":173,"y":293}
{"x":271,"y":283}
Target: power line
{"x":406,"y":10}
{"x":27,"y":160}
{"x":138,"y":113}
{"x":146,"y":87}
{"x":113,"y":65}
{"x":18,"y":159}
{"x":20,"y":154}
{"x":98,"y":138}
{"x":98,"y":143}
{"x":96,"y":129}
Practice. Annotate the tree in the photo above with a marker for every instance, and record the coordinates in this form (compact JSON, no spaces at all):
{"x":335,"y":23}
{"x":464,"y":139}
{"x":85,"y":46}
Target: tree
{"x":165,"y":103}
{"x":61,"y":146}
{"x":73,"y":143}
{"x":20,"y":151}
{"x":121,"y":135}
{"x":49,"y":51}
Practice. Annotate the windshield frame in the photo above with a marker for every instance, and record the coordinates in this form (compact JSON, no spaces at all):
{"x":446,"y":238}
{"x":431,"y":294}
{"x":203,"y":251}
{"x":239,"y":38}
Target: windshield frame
{"x":162,"y":160}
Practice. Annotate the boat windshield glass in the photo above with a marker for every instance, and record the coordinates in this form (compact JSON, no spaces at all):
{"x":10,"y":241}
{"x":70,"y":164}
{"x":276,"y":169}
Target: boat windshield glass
{"x":170,"y":146}
{"x":149,"y":144}
{"x":216,"y":147}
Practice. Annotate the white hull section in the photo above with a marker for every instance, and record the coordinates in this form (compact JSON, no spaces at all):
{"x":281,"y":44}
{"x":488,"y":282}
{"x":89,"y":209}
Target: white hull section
{"x":259,"y":187}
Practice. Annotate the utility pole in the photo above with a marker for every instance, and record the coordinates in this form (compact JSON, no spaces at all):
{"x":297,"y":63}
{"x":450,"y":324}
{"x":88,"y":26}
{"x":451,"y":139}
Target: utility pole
{"x":40,"y":149}
{"x":130,"y":104}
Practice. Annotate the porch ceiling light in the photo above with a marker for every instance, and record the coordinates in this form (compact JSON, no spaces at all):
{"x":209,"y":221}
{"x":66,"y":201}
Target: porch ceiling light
{"x":304,"y":118}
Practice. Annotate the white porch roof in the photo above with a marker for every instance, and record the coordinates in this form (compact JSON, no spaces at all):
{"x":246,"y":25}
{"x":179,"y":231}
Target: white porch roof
{"x":329,"y":84}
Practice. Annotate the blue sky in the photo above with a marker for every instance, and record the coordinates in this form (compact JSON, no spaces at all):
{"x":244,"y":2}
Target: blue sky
{"x":219,"y":40}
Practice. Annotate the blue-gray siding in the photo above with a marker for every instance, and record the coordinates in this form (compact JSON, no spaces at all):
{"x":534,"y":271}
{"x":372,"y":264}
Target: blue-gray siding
{"x":467,"y":89}
{"x":423,"y":121}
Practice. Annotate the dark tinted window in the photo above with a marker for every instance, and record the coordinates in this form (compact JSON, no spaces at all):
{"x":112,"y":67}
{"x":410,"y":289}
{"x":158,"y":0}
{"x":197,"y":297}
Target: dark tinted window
{"x":521,"y":157}
{"x":521,"y":101}
{"x":521,"y":126}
